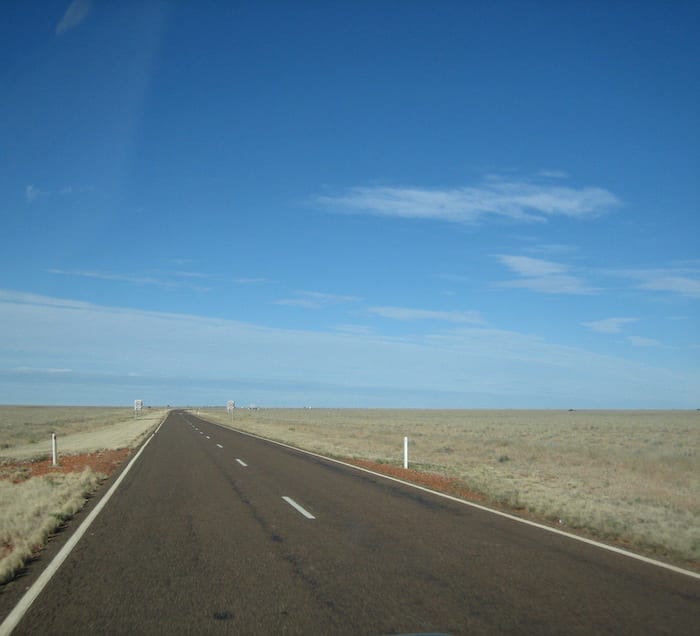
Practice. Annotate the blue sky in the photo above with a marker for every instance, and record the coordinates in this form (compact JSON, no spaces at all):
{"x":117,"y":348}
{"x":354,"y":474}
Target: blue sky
{"x":413,"y":204}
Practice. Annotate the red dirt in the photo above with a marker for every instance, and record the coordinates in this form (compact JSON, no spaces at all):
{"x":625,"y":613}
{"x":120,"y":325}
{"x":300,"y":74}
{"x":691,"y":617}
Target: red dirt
{"x":104,"y":461}
{"x":433,"y":481}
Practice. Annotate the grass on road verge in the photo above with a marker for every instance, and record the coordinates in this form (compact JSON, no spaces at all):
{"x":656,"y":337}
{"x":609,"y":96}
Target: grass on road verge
{"x":32,"y":507}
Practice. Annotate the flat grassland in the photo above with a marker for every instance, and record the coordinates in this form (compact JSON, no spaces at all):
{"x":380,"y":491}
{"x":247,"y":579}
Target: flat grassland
{"x":25,"y":431}
{"x":33,"y":507}
{"x":632,"y":477}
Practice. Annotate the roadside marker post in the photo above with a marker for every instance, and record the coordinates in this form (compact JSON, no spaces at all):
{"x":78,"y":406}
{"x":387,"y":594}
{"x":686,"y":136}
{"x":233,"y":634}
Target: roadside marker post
{"x":405,"y":452}
{"x":54,"y":449}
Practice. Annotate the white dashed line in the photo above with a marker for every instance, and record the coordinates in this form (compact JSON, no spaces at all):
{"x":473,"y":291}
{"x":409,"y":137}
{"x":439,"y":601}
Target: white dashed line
{"x":219,"y":445}
{"x":208,"y":437}
{"x":298,"y":508}
{"x":241,"y":462}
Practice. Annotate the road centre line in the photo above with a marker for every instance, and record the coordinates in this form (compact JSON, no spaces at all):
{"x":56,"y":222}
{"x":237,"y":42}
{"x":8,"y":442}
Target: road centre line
{"x":219,"y":445}
{"x":298,"y":508}
{"x":241,"y":462}
{"x":208,"y":437}
{"x":471,"y":504}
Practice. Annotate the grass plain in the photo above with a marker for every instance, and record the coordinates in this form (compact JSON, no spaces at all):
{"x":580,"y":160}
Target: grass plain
{"x":32,"y":508}
{"x":632,"y":477}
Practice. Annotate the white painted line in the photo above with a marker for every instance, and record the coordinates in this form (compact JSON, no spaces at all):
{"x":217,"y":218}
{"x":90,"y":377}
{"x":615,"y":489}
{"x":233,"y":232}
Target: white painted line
{"x":15,"y":616}
{"x":207,"y":436}
{"x":219,"y":445}
{"x":592,"y":542}
{"x":241,"y":462}
{"x":200,"y":432}
{"x":298,"y":508}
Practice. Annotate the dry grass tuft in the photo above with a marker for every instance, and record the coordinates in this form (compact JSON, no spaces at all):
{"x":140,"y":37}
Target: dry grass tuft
{"x":33,"y":509}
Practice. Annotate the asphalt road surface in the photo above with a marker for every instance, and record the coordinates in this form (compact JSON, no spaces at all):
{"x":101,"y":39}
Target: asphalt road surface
{"x":213,"y":532}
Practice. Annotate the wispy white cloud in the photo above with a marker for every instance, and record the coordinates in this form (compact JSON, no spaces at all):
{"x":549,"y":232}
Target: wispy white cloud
{"x":514,"y":200}
{"x":361,"y":330}
{"x":547,"y":277}
{"x":552,"y":248}
{"x":680,"y":280}
{"x":408,"y":314}
{"x":682,"y":285}
{"x":316,"y":300}
{"x":609,"y":325}
{"x":553,"y":174}
{"x":76,"y":13}
{"x":32,"y":193}
{"x":173,"y":281}
{"x":639,"y":341}
{"x":251,"y":281}
{"x":527,"y":266}
{"x":49,"y":370}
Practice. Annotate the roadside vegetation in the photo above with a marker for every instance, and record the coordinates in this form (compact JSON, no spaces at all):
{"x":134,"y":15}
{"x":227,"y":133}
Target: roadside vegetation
{"x":25,"y":425}
{"x":33,"y":507}
{"x":632,"y":477}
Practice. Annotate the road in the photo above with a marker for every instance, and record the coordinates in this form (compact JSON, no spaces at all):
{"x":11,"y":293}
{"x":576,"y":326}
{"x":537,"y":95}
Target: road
{"x":199,"y":538}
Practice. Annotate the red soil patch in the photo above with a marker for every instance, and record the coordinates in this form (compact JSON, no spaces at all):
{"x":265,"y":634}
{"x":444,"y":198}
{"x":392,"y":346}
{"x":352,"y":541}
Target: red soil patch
{"x":104,"y":461}
{"x":433,"y":481}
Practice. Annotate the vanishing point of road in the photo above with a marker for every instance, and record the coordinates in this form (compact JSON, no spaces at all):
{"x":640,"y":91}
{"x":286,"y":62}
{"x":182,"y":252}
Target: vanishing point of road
{"x":214,"y":531}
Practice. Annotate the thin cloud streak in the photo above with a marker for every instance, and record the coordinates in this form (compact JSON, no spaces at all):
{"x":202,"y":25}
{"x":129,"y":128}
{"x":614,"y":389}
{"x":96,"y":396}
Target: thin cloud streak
{"x":608,"y":325}
{"x":316,"y":300}
{"x":136,"y":279}
{"x":680,"y":280}
{"x":546,"y":277}
{"x":639,"y":341}
{"x":407,"y":314}
{"x":514,"y":200}
{"x":76,"y":13}
{"x":528,"y":266}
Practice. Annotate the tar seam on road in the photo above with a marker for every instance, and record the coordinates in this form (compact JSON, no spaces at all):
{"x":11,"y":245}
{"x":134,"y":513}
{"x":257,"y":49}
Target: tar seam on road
{"x":15,"y":616}
{"x":298,"y":508}
{"x":534,"y":524}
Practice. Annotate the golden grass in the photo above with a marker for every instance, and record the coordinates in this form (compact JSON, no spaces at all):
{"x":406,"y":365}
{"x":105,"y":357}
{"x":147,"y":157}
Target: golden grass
{"x":21,"y":425}
{"x":628,"y":476}
{"x":33,"y":509}
{"x":25,"y":431}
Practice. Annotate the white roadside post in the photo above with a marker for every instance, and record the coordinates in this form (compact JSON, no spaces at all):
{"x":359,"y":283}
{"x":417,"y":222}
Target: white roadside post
{"x":54,"y":449}
{"x":405,"y":452}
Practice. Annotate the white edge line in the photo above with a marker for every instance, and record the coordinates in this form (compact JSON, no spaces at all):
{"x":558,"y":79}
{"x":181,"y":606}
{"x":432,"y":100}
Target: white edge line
{"x":18,"y":612}
{"x":298,"y":508}
{"x":534,"y":524}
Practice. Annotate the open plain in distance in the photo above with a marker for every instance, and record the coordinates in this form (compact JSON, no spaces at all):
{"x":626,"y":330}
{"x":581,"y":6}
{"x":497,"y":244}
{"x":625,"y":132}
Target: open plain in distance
{"x":202,"y":537}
